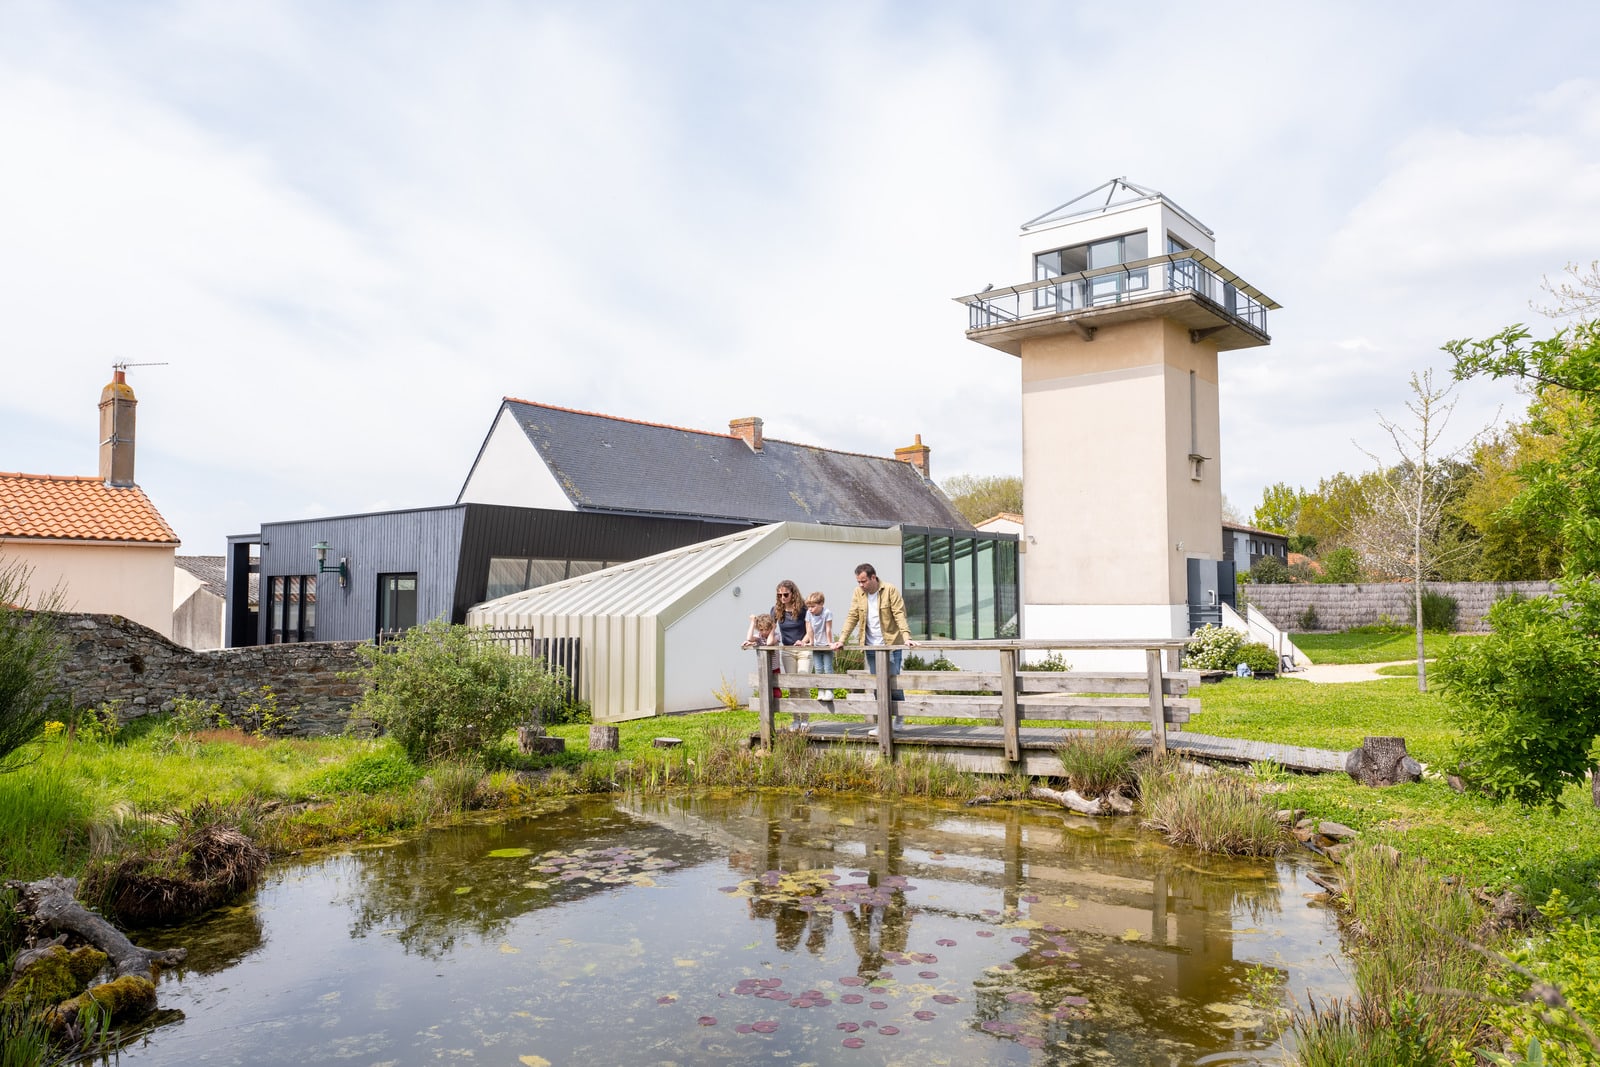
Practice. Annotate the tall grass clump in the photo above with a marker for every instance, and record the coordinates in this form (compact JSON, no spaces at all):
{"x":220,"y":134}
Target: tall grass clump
{"x":1420,"y":982}
{"x":1099,"y":761}
{"x":1210,"y":812}
{"x":44,"y":823}
{"x":29,"y":650}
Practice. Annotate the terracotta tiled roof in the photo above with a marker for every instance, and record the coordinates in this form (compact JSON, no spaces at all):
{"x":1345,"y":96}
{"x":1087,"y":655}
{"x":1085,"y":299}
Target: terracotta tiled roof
{"x":78,"y":509}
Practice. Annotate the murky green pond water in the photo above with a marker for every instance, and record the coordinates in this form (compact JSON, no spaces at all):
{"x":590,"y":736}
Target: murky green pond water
{"x":732,"y":930}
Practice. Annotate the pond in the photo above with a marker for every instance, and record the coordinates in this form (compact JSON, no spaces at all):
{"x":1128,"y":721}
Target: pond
{"x":735,"y":928}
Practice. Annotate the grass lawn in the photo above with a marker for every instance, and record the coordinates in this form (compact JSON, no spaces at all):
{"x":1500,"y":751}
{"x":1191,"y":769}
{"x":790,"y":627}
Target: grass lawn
{"x":1467,"y":835}
{"x":1373,"y":645}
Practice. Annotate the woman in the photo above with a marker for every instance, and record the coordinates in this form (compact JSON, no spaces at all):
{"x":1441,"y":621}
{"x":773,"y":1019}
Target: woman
{"x":789,"y":615}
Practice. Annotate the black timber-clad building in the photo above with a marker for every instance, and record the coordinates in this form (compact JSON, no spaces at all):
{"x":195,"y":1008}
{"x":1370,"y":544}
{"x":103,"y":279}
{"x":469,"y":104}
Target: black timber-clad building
{"x":402,"y":567}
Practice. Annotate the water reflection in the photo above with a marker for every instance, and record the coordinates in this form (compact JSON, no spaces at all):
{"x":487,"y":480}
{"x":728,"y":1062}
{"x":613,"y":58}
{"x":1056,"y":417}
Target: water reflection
{"x":727,"y":929}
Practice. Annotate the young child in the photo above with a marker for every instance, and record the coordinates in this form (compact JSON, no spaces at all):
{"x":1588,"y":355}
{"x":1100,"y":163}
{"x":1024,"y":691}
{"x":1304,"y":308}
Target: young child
{"x":819,"y":633}
{"x":760,"y":632}
{"x":763,"y":631}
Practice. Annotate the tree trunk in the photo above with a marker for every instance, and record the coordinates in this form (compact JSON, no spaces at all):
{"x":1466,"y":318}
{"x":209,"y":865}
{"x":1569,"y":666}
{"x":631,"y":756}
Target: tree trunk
{"x":605,"y":739}
{"x":1071,"y":800}
{"x":53,"y":902}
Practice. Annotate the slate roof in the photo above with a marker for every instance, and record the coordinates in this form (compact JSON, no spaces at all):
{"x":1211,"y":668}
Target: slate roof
{"x":72,"y":508}
{"x":211,"y":570}
{"x":610,"y":464}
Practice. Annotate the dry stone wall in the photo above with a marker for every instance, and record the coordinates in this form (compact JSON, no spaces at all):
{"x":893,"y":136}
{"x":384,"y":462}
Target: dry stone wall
{"x":1340,"y":607}
{"x":109,"y":657}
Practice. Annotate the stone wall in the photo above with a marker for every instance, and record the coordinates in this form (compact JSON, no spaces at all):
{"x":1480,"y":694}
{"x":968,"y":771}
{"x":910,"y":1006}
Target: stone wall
{"x":1340,"y":607}
{"x":109,"y":657}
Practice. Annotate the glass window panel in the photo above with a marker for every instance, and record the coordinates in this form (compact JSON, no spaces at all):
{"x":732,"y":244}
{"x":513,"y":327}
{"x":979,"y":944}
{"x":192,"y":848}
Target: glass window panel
{"x":275,"y":620}
{"x":506,"y":576}
{"x":1105,"y":253}
{"x":397,"y":601}
{"x":939,"y":606}
{"x":1074,"y":260}
{"x":545,"y":571}
{"x":1135,"y":246}
{"x":1047,"y":265}
{"x":291,"y":609}
{"x":1006,"y":592}
{"x":984,"y":569}
{"x":584,"y":566}
{"x":308,"y":609}
{"x":914,"y":569}
{"x":962,"y":588}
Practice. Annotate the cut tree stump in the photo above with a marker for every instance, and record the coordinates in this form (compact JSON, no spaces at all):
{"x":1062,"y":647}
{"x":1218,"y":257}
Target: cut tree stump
{"x":1382,"y":761}
{"x":667,"y":742}
{"x":605,"y":739}
{"x":532,"y":740}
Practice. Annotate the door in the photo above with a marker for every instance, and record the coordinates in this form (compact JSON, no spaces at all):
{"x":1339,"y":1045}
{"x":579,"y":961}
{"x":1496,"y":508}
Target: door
{"x":397,"y":602}
{"x":1205,"y":593}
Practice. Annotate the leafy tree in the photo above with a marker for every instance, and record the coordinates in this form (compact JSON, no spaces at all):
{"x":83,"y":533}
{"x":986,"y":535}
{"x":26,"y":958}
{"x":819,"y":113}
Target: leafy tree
{"x":983,"y":497}
{"x":1527,"y":697}
{"x":1279,"y":510}
{"x":444,"y":691}
{"x":1329,"y":513}
{"x":1512,"y":546}
{"x":30,"y":648}
{"x":1342,"y":565}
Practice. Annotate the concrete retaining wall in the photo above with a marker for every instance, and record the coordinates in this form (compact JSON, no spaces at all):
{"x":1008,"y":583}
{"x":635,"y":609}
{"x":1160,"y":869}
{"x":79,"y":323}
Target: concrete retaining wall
{"x":1340,"y":607}
{"x":112,"y":658}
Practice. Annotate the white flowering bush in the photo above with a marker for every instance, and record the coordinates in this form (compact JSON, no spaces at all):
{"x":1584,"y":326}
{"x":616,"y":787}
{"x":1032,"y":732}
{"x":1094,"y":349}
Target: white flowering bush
{"x":1212,"y":648}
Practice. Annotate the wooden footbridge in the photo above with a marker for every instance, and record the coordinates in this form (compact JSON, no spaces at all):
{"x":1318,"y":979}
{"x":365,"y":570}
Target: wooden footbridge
{"x":997,"y":702}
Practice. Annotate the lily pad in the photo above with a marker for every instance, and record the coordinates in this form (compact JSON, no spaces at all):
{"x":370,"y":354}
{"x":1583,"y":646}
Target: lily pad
{"x":852,"y":1042}
{"x":707,"y":1020}
{"x":511,"y":853}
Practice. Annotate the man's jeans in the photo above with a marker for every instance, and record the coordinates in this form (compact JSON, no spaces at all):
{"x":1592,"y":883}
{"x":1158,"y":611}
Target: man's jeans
{"x":894,"y":668}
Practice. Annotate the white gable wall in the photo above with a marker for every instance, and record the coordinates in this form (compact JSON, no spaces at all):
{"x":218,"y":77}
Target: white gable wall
{"x":702,"y":645}
{"x":510,"y":471}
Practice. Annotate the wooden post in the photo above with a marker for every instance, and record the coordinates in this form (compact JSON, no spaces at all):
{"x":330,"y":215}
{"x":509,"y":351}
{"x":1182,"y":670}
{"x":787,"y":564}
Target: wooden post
{"x":885,"y":703}
{"x":764,"y":667}
{"x":1009,"y":713}
{"x":1158,"y":717}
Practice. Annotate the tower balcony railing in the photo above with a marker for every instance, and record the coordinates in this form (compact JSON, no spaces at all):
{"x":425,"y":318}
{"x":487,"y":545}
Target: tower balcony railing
{"x":1189,"y":272}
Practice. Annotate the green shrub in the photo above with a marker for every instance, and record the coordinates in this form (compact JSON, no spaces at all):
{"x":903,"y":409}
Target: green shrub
{"x":1438,"y":611}
{"x":99,"y":723}
{"x":1559,"y":964}
{"x":914,"y":662}
{"x":1260,"y":658}
{"x":1526,"y":697}
{"x":567,"y":713}
{"x":1307,"y":619}
{"x":1269,"y":570}
{"x":444,"y":691}
{"x":1051,"y":661}
{"x":1212,"y":648}
{"x":191,"y":715}
{"x":30,"y":647}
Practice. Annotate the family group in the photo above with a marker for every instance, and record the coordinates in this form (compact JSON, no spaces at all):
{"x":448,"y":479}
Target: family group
{"x":803,"y":627}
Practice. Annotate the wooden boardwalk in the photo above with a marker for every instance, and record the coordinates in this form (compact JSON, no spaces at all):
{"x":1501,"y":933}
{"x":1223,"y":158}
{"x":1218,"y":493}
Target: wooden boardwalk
{"x":982,"y":748}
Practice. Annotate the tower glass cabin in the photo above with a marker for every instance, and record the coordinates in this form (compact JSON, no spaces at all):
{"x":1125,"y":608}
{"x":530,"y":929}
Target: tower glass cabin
{"x":1118,"y":330}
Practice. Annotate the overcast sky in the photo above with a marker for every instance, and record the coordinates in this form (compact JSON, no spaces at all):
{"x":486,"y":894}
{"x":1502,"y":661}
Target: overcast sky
{"x":349,"y":229}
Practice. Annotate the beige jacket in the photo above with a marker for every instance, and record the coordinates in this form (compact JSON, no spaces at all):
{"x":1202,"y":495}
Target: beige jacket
{"x":891,"y":615}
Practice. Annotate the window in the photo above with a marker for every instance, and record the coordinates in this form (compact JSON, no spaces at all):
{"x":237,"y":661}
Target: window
{"x":397,"y":602}
{"x":509,"y":575}
{"x":292,"y":613}
{"x":959,"y":587}
{"x":1106,"y":288}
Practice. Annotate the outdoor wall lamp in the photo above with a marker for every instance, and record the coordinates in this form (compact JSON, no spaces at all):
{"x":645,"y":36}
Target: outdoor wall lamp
{"x":341,"y":568}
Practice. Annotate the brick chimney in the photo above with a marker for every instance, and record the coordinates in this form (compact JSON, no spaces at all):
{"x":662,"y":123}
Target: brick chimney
{"x":748,"y":431}
{"x":116,"y":431}
{"x":915,"y":454}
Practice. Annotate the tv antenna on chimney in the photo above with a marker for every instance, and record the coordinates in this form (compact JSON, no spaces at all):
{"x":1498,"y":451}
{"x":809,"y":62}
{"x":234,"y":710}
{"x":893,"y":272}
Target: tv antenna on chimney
{"x":124,"y":365}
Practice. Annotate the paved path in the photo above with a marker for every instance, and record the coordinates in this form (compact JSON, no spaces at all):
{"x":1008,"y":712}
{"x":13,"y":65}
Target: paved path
{"x":1344,"y":672}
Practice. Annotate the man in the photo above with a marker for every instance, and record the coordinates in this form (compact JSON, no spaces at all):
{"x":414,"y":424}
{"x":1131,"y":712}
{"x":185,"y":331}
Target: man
{"x":878,"y":608}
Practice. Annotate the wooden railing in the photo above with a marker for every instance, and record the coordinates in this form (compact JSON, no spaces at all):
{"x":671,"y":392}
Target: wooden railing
{"x":1007,"y":695}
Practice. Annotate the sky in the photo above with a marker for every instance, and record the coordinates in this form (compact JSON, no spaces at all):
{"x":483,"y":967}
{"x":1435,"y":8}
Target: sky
{"x":345,"y":231}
